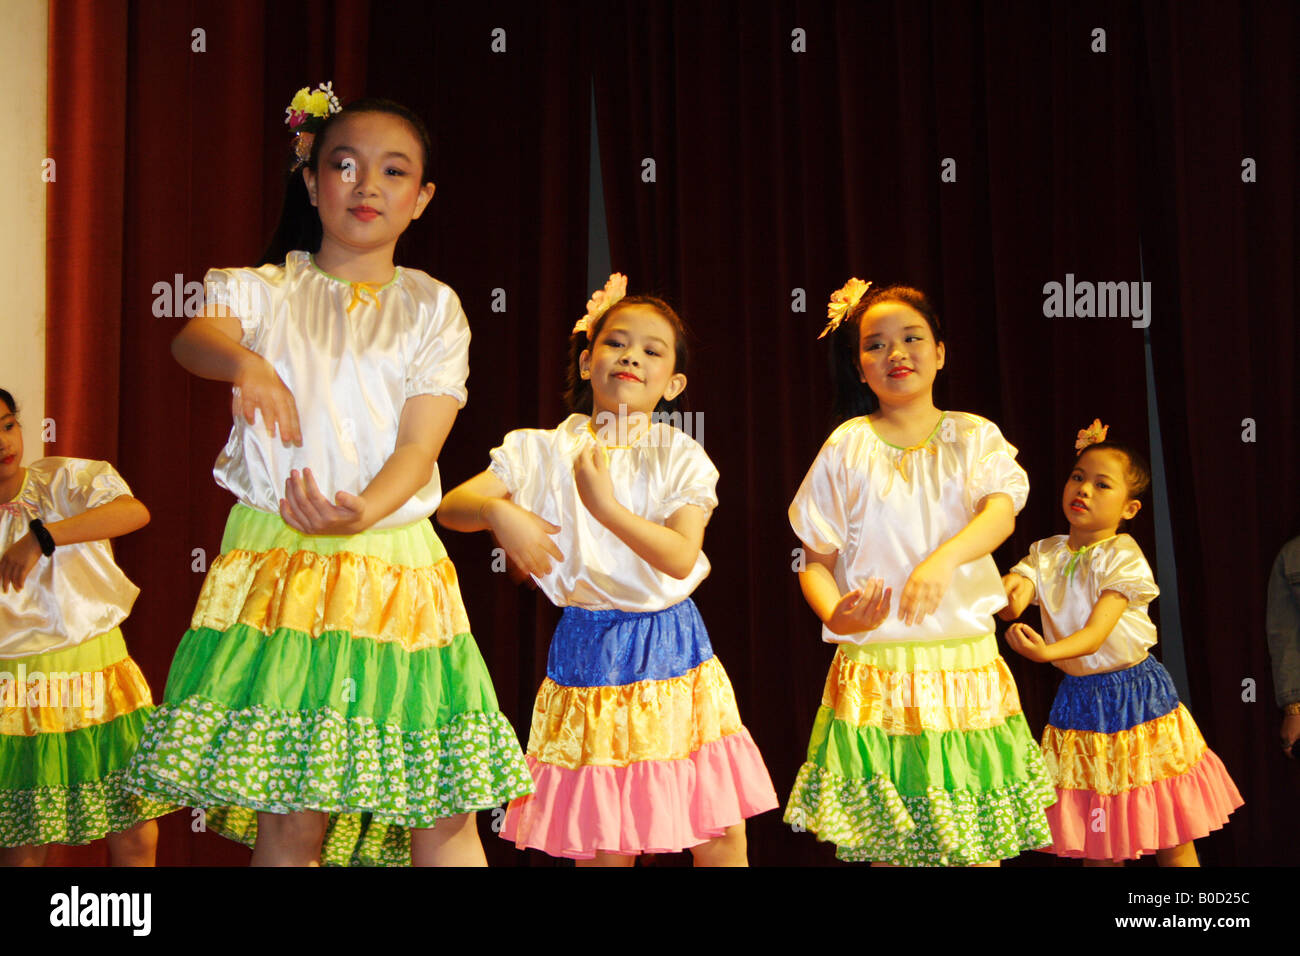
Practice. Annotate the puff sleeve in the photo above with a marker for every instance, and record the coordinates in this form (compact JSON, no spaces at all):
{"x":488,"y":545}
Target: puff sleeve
{"x":1027,"y":567}
{"x":82,"y":484}
{"x":819,"y":513}
{"x":511,"y":460}
{"x":440,"y":362}
{"x":993,"y":468}
{"x":1123,"y":568}
{"x":244,"y":294}
{"x":691,"y":480}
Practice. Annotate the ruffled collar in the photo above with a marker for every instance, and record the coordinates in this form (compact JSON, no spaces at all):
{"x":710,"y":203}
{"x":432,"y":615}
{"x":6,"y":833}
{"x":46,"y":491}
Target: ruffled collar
{"x":1075,"y":556}
{"x":363,"y":293}
{"x":901,"y":457}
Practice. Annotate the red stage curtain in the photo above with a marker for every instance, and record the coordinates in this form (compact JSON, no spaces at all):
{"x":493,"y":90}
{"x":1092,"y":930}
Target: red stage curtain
{"x":776,"y":170}
{"x":172,"y":162}
{"x":780,"y":170}
{"x":1223,"y":89}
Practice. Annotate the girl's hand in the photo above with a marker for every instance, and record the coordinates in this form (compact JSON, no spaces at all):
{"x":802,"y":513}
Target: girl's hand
{"x":305,"y":509}
{"x":261,"y":389}
{"x":595,"y":487}
{"x":1290,"y":733}
{"x":862,"y":609}
{"x":1027,"y":642}
{"x":18,"y":562}
{"x":1020,"y":591}
{"x":924,"y":589}
{"x":524,"y":535}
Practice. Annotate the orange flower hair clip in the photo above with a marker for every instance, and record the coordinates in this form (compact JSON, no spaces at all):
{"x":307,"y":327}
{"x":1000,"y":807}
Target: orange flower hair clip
{"x":600,"y":302}
{"x":842,"y":300}
{"x":1091,"y":435}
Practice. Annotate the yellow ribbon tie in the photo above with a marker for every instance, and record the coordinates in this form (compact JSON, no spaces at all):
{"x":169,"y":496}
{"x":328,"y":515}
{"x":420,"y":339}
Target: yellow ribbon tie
{"x":359,"y":292}
{"x":901,"y":463}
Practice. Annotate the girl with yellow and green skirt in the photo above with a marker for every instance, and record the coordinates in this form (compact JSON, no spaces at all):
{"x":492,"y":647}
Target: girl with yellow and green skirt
{"x":328,"y":702}
{"x":920,"y":754}
{"x":72,"y":701}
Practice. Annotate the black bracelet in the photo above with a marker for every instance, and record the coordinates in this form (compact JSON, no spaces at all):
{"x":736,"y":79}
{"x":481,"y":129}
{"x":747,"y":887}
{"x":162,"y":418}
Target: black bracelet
{"x":43,"y":536}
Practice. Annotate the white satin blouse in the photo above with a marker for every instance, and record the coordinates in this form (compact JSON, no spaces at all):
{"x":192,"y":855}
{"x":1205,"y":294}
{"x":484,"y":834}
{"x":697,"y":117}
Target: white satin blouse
{"x":884,"y":509}
{"x":662,"y":471}
{"x":350,"y":373}
{"x":1068,"y":594}
{"x":78,"y":592}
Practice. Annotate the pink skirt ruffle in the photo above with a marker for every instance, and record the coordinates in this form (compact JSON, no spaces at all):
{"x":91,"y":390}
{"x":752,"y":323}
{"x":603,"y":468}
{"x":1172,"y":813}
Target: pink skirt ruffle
{"x":1157,"y":816}
{"x":654,"y":806}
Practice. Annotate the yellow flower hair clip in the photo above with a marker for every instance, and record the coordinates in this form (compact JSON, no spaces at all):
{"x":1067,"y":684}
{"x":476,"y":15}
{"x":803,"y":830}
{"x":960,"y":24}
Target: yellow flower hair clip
{"x":842,"y":300}
{"x":600,"y":302}
{"x":305,"y":115}
{"x":1091,"y":435}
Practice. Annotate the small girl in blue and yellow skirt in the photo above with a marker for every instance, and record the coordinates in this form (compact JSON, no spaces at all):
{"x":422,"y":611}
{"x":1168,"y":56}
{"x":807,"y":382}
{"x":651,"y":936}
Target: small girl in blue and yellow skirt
{"x":920,"y":753}
{"x":1133,"y":774}
{"x":72,"y":701}
{"x":636,"y":745}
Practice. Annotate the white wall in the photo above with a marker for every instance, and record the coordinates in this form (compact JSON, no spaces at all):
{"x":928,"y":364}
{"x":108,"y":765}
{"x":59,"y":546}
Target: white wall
{"x":23,"y":52}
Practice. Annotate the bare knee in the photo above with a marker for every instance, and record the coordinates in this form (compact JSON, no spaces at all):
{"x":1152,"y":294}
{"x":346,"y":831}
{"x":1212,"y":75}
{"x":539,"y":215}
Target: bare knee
{"x":304,"y":828}
{"x":23,"y":855}
{"x":729,"y":849}
{"x":135,"y":846}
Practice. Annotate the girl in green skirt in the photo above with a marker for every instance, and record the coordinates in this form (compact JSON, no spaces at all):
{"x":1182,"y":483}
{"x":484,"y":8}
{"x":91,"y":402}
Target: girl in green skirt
{"x":328,"y":702}
{"x":920,"y":754}
{"x":72,"y":701}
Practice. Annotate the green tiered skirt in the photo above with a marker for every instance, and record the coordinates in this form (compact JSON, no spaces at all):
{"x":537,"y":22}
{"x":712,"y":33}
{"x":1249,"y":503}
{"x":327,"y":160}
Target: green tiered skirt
{"x":69,"y":724}
{"x":920,"y":756}
{"x":335,"y":674}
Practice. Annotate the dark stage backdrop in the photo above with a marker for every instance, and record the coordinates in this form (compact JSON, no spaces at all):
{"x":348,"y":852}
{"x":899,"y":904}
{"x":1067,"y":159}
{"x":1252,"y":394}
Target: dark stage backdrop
{"x":776,"y":170}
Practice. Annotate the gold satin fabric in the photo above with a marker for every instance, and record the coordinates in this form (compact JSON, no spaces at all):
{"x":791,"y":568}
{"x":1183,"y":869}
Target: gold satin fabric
{"x":312,"y":593}
{"x":1168,"y":746}
{"x":99,"y":696}
{"x":649,"y":720}
{"x":901,"y":703}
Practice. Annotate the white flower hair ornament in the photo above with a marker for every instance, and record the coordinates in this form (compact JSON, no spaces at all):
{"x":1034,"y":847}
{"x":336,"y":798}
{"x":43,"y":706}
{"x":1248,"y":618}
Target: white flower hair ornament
{"x":600,"y":302}
{"x":842,"y":300}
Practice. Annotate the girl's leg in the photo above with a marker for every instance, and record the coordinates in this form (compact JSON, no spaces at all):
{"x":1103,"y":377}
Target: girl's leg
{"x":289,"y":839}
{"x":1103,"y":862}
{"x":23,"y":855}
{"x":1182,"y":855}
{"x":607,"y":859}
{"x":137,"y":846}
{"x":730,"y":849}
{"x":452,"y":842}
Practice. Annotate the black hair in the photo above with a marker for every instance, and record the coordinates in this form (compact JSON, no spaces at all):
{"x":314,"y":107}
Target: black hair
{"x":299,"y":226}
{"x":853,"y":398}
{"x":577,"y":392}
{"x":9,"y":401}
{"x":1137,"y":473}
